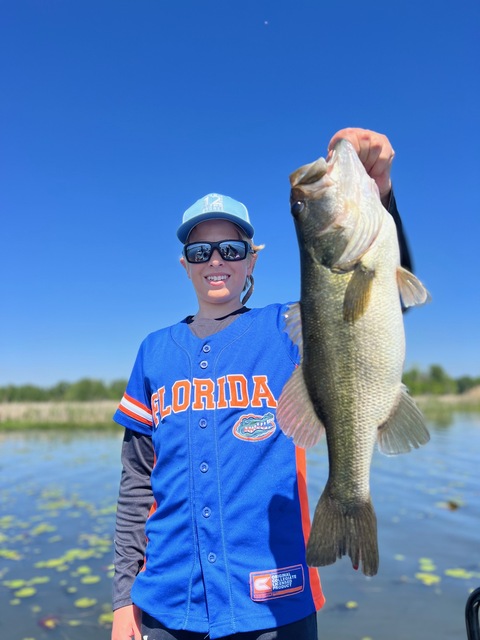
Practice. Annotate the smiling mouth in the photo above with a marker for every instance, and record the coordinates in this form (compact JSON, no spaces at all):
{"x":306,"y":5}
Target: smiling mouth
{"x":217,"y":278}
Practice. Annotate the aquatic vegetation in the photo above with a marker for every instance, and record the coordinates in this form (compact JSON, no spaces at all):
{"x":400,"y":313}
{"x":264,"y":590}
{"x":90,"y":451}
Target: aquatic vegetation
{"x":428,"y":578}
{"x":462,"y":574}
{"x":450,"y":505}
{"x":49,"y":622}
{"x":430,"y":549}
{"x":90,"y":579}
{"x":105,"y":619}
{"x":14,"y":584}
{"x":426,"y":564}
{"x":10,"y":554}
{"x":25,"y":592}
{"x":62,"y":543}
{"x":25,"y":588}
{"x":42,"y":528}
{"x":83,"y":603}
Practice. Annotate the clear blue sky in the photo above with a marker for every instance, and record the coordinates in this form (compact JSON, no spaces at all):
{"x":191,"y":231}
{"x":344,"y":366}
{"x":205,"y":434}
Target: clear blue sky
{"x":117,"y":115}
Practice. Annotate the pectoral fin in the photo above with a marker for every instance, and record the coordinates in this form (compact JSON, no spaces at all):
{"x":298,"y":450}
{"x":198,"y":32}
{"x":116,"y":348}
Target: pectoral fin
{"x":293,"y":323}
{"x":412,"y":291}
{"x":405,"y":428}
{"x":295,"y":413}
{"x":357,"y":294}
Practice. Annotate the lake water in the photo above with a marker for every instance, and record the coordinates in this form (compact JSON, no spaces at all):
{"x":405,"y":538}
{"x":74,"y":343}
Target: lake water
{"x":57,"y":502}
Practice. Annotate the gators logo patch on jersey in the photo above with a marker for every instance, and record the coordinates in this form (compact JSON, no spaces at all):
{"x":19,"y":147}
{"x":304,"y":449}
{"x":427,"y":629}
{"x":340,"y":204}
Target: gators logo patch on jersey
{"x":254,"y":428}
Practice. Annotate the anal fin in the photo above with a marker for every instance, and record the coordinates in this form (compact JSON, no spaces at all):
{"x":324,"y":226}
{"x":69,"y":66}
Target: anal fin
{"x":405,"y":428}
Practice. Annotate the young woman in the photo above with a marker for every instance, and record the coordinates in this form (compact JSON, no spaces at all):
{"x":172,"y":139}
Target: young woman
{"x":213,"y":516}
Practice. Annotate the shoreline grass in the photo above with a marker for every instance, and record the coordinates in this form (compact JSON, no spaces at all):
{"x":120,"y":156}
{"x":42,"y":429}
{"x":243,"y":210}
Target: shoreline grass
{"x":19,"y":425}
{"x":41,"y":416}
{"x":97,"y":414}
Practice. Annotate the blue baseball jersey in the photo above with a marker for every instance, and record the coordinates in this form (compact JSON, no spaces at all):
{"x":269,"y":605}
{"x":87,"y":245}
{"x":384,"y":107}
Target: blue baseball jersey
{"x":226,"y":536}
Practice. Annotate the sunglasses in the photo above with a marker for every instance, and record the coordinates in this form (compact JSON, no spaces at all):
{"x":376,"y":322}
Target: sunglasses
{"x":230,"y":250}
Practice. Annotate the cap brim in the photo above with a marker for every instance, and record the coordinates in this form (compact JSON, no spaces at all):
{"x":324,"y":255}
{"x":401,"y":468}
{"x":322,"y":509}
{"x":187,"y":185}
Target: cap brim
{"x":184,"y":230}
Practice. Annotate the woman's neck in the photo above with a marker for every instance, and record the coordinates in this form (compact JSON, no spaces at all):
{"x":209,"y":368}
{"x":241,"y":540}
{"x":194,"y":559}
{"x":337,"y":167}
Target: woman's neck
{"x":216,"y":311}
{"x":238,"y":310}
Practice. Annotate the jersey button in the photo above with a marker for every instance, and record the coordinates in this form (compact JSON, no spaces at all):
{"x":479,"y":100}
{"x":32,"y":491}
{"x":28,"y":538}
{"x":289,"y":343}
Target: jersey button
{"x":203,"y":364}
{"x":204,"y":467}
{"x":202,"y":423}
{"x":206,"y":348}
{"x":206,"y":512}
{"x":212,"y":557}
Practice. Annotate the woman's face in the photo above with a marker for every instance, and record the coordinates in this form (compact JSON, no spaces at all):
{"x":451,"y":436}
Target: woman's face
{"x":218,"y":282}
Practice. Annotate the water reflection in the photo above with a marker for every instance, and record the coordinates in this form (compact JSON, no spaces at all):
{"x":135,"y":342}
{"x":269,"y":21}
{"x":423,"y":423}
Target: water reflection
{"x":57,"y":516}
{"x":428,"y":505}
{"x":444,"y":415}
{"x":57,"y":510}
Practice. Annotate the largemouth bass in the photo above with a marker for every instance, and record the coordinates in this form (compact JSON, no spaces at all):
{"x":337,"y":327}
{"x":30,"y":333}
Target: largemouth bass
{"x":349,"y":327}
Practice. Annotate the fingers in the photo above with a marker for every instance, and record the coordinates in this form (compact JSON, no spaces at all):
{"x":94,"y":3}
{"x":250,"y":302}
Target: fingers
{"x":369,"y":145}
{"x":127,"y":623}
{"x":374,"y":150}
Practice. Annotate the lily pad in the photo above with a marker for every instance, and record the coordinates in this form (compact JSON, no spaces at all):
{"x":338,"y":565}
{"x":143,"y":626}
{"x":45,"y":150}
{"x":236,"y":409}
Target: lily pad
{"x":84,"y":603}
{"x":26,"y":592}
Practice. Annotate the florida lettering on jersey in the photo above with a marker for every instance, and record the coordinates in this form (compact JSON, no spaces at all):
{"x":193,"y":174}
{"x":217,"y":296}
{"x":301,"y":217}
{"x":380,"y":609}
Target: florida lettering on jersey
{"x":232,"y":391}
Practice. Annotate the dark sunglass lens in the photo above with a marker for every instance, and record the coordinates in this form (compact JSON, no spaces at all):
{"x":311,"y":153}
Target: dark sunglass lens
{"x":198,"y":252}
{"x":233,"y":250}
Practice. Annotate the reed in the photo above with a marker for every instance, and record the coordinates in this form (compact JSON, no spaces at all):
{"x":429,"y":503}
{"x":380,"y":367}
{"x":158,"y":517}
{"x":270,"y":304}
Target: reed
{"x":92,"y":415}
{"x":57,"y":415}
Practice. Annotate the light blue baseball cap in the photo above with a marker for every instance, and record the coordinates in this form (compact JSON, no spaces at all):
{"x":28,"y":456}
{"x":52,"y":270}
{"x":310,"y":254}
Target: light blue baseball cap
{"x":214,"y":206}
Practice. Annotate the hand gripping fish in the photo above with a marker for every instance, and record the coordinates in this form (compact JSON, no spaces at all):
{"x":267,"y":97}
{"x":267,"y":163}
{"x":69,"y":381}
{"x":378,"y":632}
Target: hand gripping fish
{"x":349,"y":328}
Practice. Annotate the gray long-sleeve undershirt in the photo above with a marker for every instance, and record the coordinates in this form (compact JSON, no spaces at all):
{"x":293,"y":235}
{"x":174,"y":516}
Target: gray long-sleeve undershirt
{"x":134,"y":502}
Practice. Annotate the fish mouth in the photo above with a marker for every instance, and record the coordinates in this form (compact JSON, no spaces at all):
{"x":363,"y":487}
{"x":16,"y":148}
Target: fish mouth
{"x":310,"y":173}
{"x":310,"y":182}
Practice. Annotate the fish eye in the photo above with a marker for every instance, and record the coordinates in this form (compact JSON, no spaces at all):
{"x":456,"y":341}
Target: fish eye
{"x":297,"y":207}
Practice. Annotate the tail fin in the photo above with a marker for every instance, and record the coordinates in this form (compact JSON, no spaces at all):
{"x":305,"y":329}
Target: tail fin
{"x":340,"y":530}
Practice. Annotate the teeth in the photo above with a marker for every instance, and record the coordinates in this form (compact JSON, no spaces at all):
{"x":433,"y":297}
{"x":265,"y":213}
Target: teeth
{"x":216,"y":278}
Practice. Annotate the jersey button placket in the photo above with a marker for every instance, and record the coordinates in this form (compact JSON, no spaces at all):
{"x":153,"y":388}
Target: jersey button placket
{"x":206,"y":482}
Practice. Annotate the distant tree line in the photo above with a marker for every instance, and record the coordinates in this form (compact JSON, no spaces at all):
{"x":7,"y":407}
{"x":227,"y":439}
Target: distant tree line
{"x":434,"y":381}
{"x":80,"y":391}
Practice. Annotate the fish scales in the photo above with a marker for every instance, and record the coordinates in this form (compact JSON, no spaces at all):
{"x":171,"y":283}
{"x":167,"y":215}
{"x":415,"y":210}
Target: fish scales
{"x":353,"y":346}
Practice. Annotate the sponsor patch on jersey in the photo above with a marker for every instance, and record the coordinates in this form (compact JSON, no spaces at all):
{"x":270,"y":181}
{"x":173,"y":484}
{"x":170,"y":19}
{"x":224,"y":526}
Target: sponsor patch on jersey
{"x":277,"y":583}
{"x":253,"y":428}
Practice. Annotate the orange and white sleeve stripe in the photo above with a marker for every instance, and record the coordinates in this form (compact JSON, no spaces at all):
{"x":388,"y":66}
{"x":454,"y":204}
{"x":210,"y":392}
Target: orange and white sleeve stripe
{"x":136,"y":410}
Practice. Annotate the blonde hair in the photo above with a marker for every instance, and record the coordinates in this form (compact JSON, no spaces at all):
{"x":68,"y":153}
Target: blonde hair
{"x":249,"y":282}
